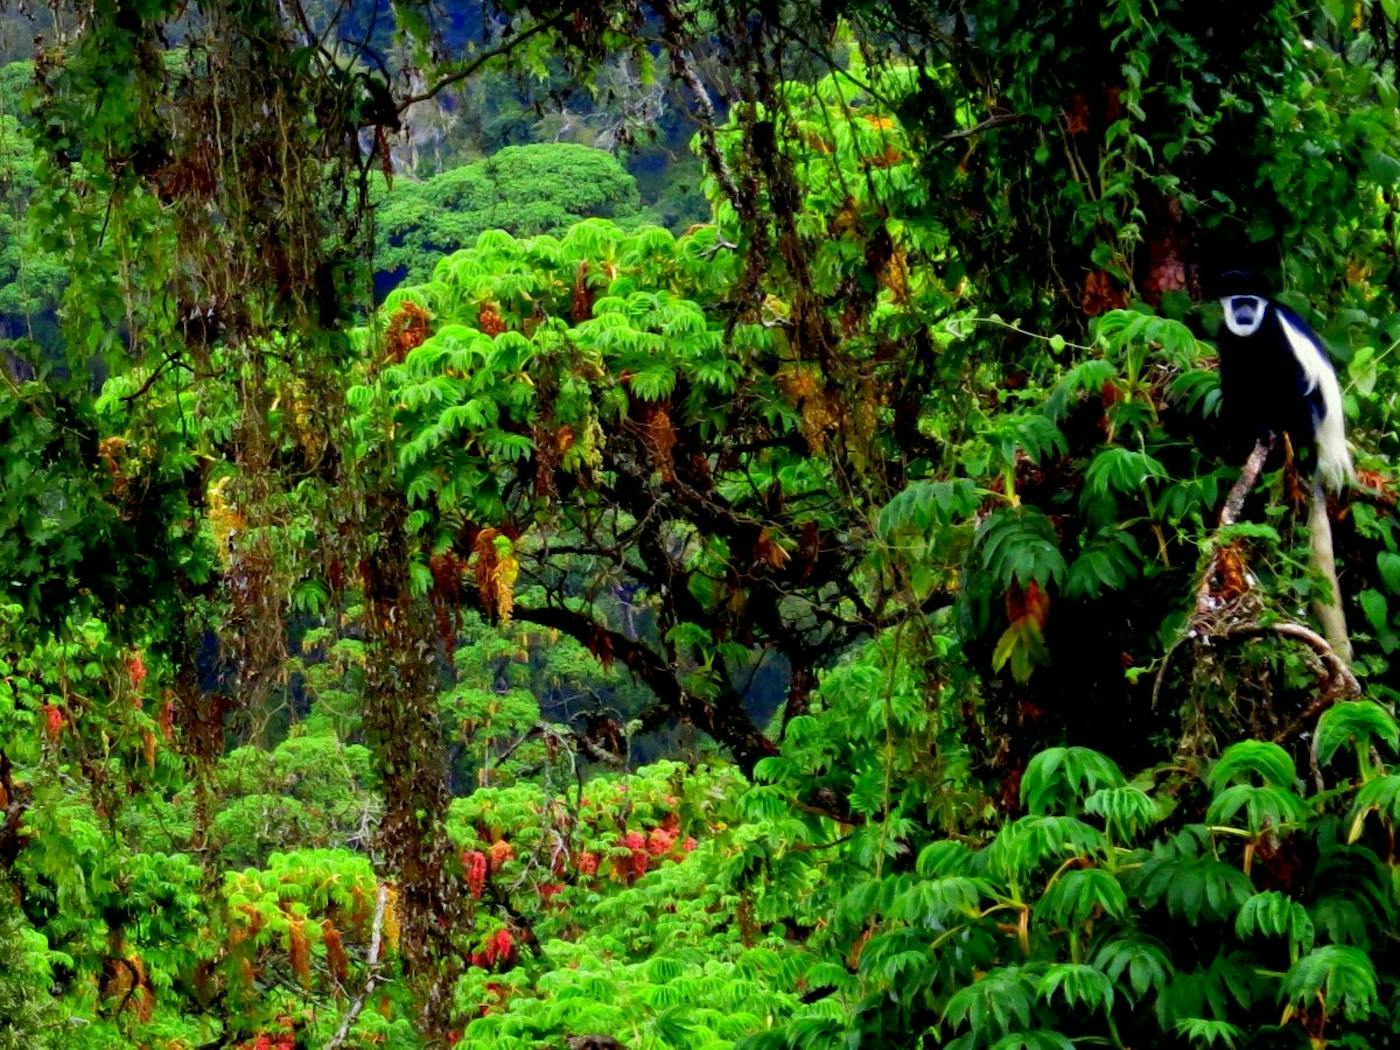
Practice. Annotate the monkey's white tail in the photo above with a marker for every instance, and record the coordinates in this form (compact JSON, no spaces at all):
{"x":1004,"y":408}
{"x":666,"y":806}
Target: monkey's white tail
{"x":1334,"y":467}
{"x":1333,"y":457}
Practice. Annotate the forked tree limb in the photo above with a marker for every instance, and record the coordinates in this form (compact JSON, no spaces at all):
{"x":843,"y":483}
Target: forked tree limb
{"x":674,"y":40}
{"x":505,"y":47}
{"x":1229,"y":514}
{"x":1249,"y":474}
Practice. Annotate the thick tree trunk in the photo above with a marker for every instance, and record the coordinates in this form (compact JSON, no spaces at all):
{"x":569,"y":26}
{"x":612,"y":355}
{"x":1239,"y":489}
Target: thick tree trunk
{"x":401,"y":722}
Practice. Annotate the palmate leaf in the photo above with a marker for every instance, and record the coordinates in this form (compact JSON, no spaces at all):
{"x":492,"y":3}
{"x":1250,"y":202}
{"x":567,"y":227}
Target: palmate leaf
{"x":507,"y":446}
{"x":938,"y":903}
{"x":945,"y":857}
{"x":1107,"y":562}
{"x":661,"y":996}
{"x":1087,"y":377}
{"x":990,"y":1006}
{"x":1264,"y":807}
{"x":673,"y":1025}
{"x":803,"y":1033}
{"x":1120,"y":470}
{"x":653,"y":382}
{"x":1033,"y":435}
{"x":1356,"y":723}
{"x":1017,"y":545}
{"x":422,"y":486}
{"x":1027,"y":844}
{"x":473,"y":414}
{"x":1077,"y":984}
{"x":1253,"y":760}
{"x":1344,"y":919}
{"x":1336,"y":975}
{"x":1231,"y":979}
{"x":1119,"y":329}
{"x":1274,"y":914}
{"x":1079,"y":897}
{"x":927,"y":505}
{"x":1189,"y":494}
{"x":1141,"y":958}
{"x":1354,"y":900}
{"x":898,"y":957}
{"x":1126,"y":810}
{"x":1194,"y":888}
{"x":1200,"y":1031}
{"x":360,"y":397}
{"x":311,"y":597}
{"x":1058,"y":778}
{"x":1197,"y":390}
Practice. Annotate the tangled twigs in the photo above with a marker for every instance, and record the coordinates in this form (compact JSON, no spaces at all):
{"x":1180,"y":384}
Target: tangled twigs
{"x":1232,"y":614}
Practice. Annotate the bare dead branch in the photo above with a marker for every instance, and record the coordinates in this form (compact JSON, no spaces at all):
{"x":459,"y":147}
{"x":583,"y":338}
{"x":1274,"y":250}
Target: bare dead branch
{"x":372,"y":977}
{"x":683,"y":69}
{"x":1206,"y":602}
{"x":1249,"y":474}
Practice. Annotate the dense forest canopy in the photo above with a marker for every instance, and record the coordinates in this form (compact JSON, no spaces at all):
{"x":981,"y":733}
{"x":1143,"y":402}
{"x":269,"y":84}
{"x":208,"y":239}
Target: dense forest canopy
{"x":689,"y":524}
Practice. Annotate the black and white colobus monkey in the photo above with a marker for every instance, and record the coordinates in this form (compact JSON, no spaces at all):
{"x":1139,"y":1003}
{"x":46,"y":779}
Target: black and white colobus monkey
{"x":1277,"y":380}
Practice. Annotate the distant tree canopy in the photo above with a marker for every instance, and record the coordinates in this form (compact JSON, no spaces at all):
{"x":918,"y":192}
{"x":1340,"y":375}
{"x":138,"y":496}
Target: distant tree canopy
{"x":524,"y":190}
{"x":31,"y":279}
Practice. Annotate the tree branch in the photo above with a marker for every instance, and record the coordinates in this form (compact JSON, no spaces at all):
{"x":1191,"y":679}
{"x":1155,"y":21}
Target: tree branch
{"x":1229,"y":514}
{"x":372,"y":977}
{"x":1249,"y":474}
{"x":998,"y":120}
{"x":486,"y":56}
{"x":726,"y":722}
{"x":1340,"y":679}
{"x":673,"y":39}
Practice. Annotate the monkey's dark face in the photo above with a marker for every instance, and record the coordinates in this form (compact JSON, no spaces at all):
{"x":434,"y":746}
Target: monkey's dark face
{"x":1244,"y":313}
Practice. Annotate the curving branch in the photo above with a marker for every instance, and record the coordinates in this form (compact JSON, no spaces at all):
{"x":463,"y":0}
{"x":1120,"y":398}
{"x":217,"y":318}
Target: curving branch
{"x":726,"y":722}
{"x":1340,"y":680}
{"x":997,"y":120}
{"x":504,"y":48}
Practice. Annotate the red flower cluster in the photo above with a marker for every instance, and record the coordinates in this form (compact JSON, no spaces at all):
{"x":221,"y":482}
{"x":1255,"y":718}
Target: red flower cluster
{"x":53,"y":721}
{"x":474,"y":864}
{"x":499,"y":948}
{"x":500,"y":853}
{"x":136,"y":669}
